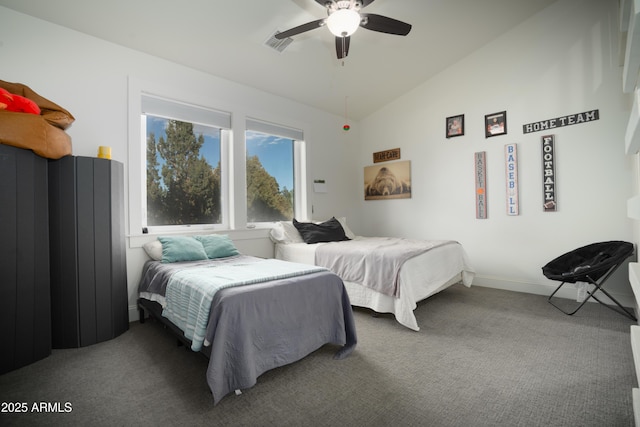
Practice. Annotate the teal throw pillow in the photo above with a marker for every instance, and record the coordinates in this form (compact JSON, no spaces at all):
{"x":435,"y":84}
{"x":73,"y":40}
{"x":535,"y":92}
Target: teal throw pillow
{"x":181,"y":248}
{"x":218,"y":245}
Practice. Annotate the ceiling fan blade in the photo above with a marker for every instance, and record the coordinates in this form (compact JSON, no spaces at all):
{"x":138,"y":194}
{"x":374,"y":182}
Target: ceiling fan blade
{"x":323,"y":3}
{"x":365,"y":3}
{"x":384,"y":24}
{"x":300,"y":29}
{"x":342,"y":46}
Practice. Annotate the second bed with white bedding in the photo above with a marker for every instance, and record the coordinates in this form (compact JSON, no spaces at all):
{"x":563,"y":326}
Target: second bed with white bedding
{"x":419,"y":277}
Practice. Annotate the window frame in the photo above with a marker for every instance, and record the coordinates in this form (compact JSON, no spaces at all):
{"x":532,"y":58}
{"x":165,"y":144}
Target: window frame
{"x":138,"y":91}
{"x":232,"y":158}
{"x":299,"y":153}
{"x":171,"y":109}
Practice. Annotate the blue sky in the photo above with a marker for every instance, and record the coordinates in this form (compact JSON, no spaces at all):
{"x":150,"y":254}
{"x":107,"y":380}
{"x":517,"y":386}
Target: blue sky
{"x":275,"y":153}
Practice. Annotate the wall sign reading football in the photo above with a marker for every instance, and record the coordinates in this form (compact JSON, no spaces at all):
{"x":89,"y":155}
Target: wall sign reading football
{"x":549,"y":174}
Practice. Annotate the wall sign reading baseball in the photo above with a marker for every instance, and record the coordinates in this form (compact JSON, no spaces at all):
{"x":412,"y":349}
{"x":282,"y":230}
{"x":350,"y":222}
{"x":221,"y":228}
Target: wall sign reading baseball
{"x":387,"y":155}
{"x":558,"y":122}
{"x":481,"y":184}
{"x":511,"y":169}
{"x":549,"y":174}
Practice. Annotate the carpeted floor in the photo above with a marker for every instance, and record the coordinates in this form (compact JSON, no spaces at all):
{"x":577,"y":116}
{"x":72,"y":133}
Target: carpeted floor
{"x":483,"y":357}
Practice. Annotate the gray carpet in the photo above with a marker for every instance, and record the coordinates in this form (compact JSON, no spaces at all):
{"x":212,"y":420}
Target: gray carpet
{"x":483,"y":357}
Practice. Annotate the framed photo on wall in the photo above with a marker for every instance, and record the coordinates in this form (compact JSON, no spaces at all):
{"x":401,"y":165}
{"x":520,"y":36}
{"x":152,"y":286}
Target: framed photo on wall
{"x":495,"y":124}
{"x":388,"y":181}
{"x":455,"y":126}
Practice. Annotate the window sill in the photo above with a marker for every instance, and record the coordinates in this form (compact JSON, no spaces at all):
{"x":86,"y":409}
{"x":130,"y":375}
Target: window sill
{"x":136,"y":241}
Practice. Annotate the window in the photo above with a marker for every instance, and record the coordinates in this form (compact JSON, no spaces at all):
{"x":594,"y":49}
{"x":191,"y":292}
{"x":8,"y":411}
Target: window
{"x":271,"y":174}
{"x":183,"y":163}
{"x":188,"y":164}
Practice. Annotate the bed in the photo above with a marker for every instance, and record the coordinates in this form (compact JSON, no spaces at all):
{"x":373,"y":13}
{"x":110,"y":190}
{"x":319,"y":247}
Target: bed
{"x":426,"y":269}
{"x":262,"y":314}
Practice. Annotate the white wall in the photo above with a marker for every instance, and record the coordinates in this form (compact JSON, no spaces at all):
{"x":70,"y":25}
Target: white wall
{"x":560,"y":62}
{"x":89,"y":77}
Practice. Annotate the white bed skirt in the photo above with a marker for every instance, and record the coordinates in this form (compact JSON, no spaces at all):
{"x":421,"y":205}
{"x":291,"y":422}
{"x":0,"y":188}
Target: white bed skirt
{"x":420,"y":277}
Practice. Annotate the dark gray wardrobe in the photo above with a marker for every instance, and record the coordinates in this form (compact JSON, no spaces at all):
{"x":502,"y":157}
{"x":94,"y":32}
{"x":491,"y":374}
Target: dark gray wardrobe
{"x":25,"y":320}
{"x":89,"y":301}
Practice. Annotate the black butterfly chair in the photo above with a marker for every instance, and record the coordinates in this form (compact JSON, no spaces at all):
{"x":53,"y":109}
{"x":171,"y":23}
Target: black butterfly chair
{"x":592,"y":264}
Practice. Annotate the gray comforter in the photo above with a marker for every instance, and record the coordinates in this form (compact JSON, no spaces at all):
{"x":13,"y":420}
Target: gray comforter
{"x":373,"y":262}
{"x":258,"y":327}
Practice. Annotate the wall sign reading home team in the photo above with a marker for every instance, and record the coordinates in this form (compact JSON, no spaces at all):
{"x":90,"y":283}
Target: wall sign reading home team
{"x":573,"y":119}
{"x":548,"y":174}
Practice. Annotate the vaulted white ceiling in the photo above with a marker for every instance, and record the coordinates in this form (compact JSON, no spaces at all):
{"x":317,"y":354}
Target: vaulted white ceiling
{"x":227,"y":39}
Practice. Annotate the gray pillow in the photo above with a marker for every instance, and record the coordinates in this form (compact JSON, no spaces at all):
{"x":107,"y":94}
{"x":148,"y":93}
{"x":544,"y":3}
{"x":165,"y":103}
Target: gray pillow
{"x":328,"y":231}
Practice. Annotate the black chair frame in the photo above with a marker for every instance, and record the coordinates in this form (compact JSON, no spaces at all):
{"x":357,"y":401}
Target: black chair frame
{"x":595,"y":274}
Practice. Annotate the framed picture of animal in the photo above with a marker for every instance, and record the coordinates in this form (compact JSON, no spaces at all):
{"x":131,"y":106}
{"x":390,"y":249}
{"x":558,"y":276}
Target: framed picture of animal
{"x":388,"y":181}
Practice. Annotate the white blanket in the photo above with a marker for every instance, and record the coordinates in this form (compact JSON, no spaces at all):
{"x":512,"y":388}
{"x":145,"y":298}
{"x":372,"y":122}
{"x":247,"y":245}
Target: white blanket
{"x":374,"y":262}
{"x":420,"y":277}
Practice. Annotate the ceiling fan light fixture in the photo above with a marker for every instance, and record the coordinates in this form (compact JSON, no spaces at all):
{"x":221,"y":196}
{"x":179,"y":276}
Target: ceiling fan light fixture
{"x":343,"y":22}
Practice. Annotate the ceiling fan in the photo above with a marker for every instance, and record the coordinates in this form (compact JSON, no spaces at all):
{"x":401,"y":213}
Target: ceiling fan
{"x":344,"y":18}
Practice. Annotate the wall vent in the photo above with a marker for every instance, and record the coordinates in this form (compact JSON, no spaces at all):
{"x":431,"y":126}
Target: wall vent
{"x":276,"y":44}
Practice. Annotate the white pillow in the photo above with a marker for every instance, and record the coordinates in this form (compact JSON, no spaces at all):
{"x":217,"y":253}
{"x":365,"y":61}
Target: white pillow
{"x":343,"y":222}
{"x":153,"y":249}
{"x":285,"y":232}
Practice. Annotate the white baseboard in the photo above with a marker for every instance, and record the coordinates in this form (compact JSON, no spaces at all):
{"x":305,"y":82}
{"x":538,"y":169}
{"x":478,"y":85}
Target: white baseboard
{"x":568,"y":291}
{"x":134,"y":315}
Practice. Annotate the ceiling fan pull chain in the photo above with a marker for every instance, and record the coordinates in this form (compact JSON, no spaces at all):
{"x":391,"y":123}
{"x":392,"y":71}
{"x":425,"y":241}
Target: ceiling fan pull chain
{"x":346,"y":126}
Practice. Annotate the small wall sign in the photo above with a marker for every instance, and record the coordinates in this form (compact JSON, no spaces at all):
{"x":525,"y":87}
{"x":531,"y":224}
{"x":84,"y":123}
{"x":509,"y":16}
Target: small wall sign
{"x":319,"y":186}
{"x":480,"y":161}
{"x":558,"y":122}
{"x":511,"y":170}
{"x":549,"y":174}
{"x":387,"y":155}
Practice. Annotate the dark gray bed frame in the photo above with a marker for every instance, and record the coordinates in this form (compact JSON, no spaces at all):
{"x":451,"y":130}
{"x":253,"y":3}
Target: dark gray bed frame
{"x":154,"y":310}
